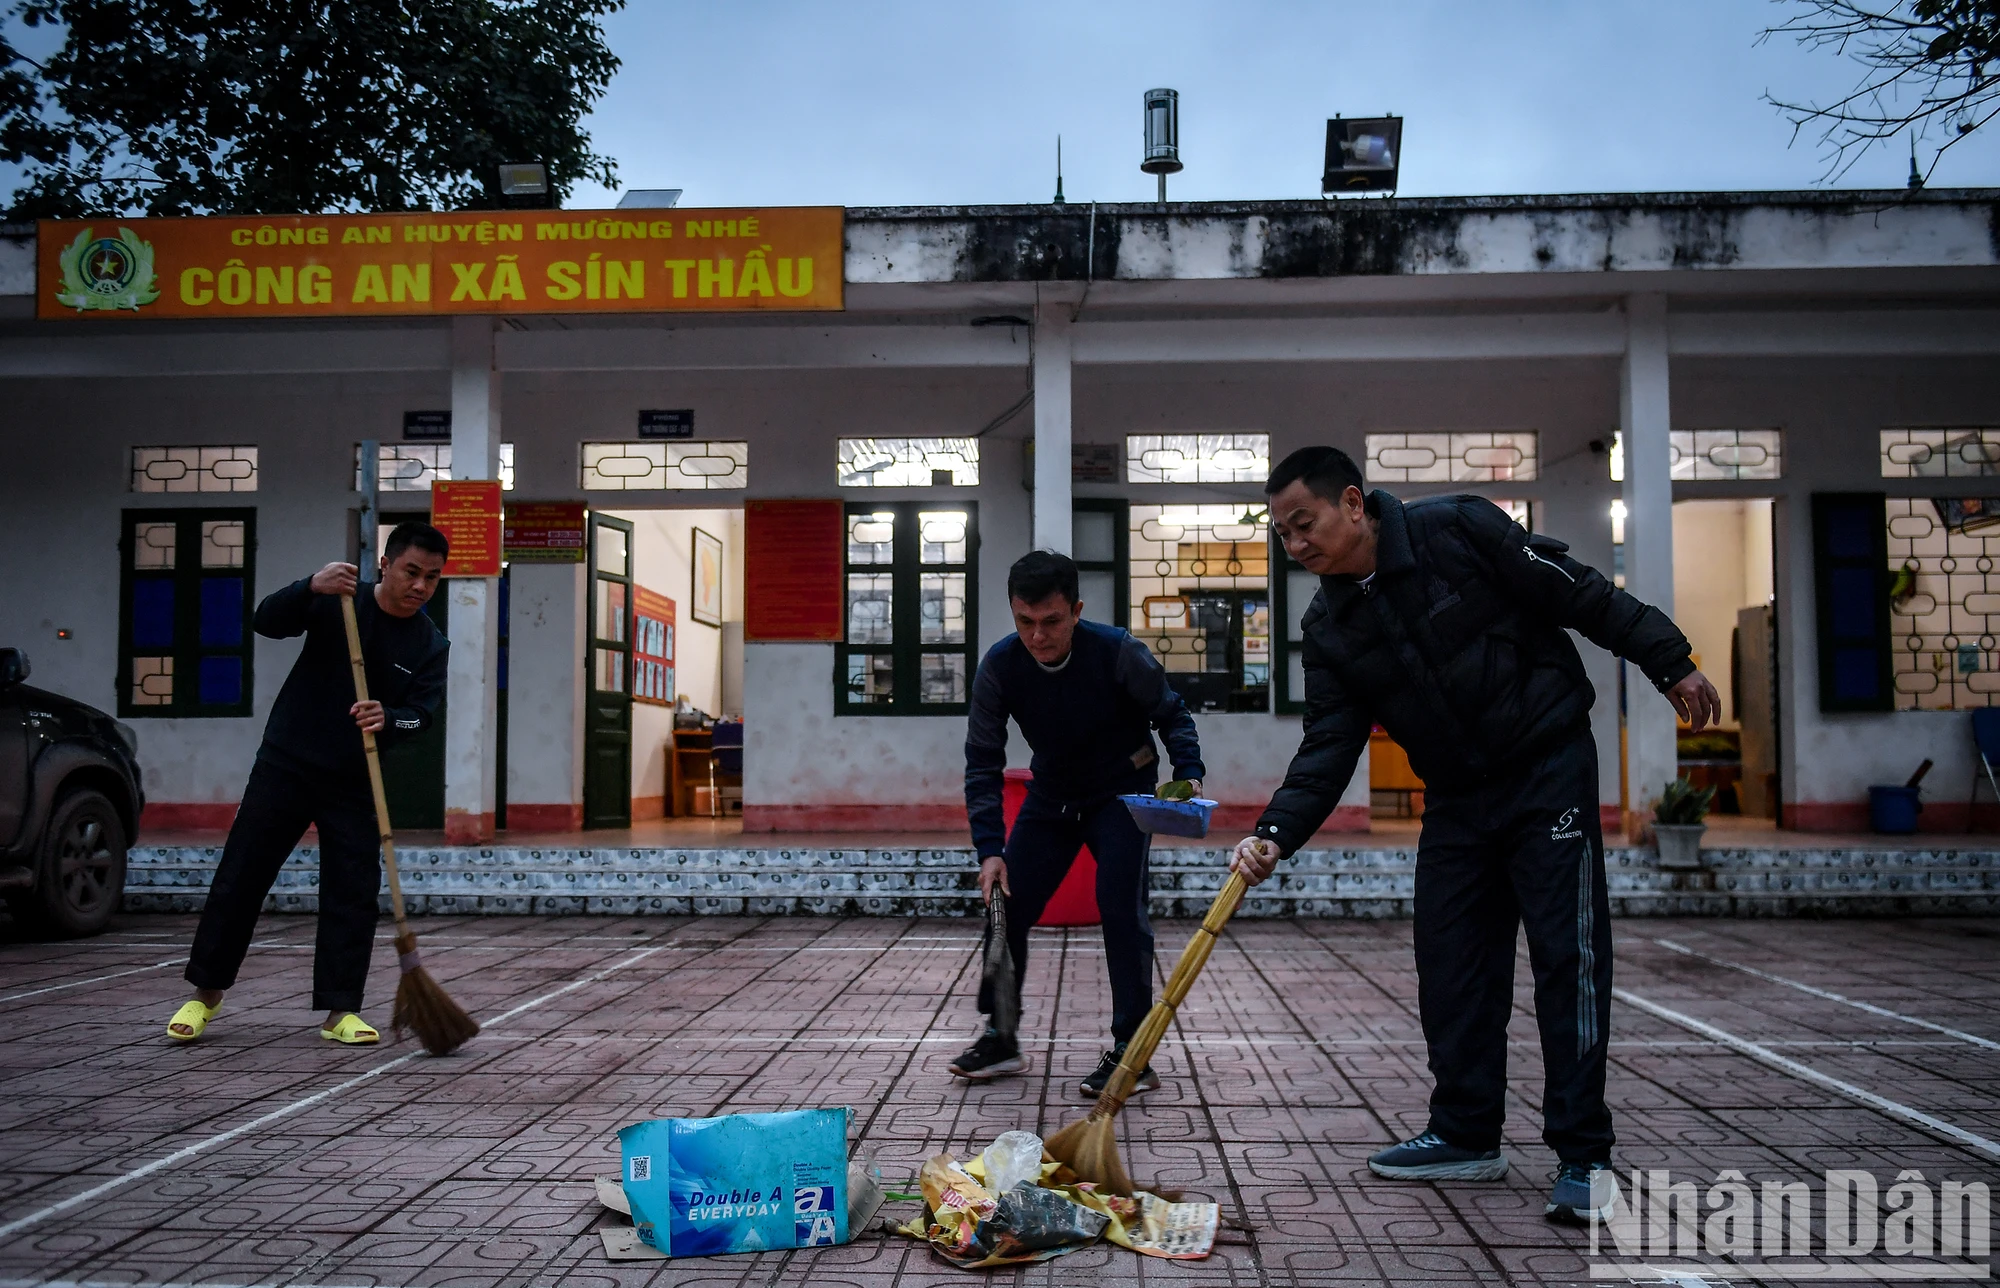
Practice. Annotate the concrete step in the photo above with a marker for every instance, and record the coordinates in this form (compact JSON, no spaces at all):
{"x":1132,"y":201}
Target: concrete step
{"x":940,"y":882}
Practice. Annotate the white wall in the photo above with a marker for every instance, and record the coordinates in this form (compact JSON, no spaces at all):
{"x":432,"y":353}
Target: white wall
{"x":1722,"y":563}
{"x":663,"y":561}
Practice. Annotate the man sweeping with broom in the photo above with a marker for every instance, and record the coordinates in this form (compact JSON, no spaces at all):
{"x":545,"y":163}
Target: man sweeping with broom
{"x":1443,"y":622}
{"x":311,"y":769}
{"x":1087,"y":698}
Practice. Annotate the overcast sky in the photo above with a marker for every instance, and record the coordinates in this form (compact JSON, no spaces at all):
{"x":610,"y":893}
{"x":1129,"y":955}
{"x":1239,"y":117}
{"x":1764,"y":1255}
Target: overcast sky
{"x":808,"y":102}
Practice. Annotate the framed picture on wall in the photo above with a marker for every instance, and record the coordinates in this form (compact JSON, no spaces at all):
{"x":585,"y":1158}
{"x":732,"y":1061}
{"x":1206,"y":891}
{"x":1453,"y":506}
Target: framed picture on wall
{"x":706,"y":595}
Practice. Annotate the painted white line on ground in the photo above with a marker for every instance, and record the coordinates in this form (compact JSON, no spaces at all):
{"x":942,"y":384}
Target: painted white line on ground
{"x":285,"y":1111}
{"x":1758,"y":1051}
{"x":1869,"y":1007}
{"x":1719,"y":1274}
{"x":95,"y":979}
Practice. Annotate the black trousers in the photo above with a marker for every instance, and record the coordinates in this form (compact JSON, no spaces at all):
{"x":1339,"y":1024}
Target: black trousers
{"x":1527,"y":851}
{"x":1046,"y":836}
{"x":281,"y":798}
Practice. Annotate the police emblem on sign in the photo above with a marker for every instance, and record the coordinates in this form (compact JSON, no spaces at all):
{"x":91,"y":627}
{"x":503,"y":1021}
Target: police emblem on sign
{"x":107,"y":272}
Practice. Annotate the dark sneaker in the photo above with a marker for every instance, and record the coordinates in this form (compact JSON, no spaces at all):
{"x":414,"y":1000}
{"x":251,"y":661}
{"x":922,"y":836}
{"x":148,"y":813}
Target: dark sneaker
{"x":995,"y":1055}
{"x":1429,"y":1158}
{"x":1093,"y":1086}
{"x":1584,"y":1194}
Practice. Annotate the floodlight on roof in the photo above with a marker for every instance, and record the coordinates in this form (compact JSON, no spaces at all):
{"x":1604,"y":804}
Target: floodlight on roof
{"x":1363,"y":154}
{"x":524,"y":179}
{"x":650,"y":199}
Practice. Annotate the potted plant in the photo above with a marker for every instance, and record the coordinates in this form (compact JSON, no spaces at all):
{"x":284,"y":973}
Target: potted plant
{"x":1677,"y":823}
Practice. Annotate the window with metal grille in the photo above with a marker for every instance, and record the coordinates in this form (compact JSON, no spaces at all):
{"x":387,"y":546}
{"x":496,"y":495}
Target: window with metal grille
{"x":185,"y":601}
{"x":701,"y":466}
{"x":1200,"y":600}
{"x":413,"y":467}
{"x":911,"y":584}
{"x":1470,"y":457}
{"x":194,"y":469}
{"x":1944,"y":601}
{"x":908,"y":462}
{"x":1197,"y":458}
{"x":1702,"y":454}
{"x":1940,"y":453}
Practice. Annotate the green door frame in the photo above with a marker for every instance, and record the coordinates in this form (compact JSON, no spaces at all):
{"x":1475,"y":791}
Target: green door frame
{"x":607,"y":672}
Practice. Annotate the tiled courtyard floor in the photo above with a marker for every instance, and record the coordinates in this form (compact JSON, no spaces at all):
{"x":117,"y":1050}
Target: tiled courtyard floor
{"x":262,"y":1155}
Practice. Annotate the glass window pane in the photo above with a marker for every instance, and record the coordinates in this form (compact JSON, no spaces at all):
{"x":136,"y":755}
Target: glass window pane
{"x":907,"y":462}
{"x":1100,"y":595}
{"x":1473,"y":457}
{"x":1940,"y":453}
{"x":871,"y":538}
{"x":1197,"y":458}
{"x":222,"y":543}
{"x":153,"y":545}
{"x":153,"y":613}
{"x":610,"y":551}
{"x":194,"y":469}
{"x":152,"y":681}
{"x":1256,"y":642}
{"x":943,"y":677}
{"x":870,"y":608}
{"x":609,"y":674}
{"x":871,"y":678}
{"x":610,"y":611}
{"x":221,"y":614}
{"x":943,"y":596}
{"x":221,"y":681}
{"x":943,"y":533}
{"x":1300,"y":587}
{"x":1094,"y":536}
{"x":1295,"y":674}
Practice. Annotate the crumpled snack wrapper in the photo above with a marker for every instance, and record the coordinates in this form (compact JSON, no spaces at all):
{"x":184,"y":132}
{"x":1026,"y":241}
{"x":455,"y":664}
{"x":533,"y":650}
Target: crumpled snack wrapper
{"x":956,"y":1202}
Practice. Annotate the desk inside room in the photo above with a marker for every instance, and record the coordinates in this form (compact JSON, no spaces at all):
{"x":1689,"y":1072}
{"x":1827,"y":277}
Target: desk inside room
{"x":687,"y":768}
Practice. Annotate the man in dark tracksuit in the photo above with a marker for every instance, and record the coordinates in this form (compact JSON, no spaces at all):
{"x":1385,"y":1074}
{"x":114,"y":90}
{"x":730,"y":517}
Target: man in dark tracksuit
{"x":1443,"y":622}
{"x":1087,"y":698}
{"x":311,"y":770}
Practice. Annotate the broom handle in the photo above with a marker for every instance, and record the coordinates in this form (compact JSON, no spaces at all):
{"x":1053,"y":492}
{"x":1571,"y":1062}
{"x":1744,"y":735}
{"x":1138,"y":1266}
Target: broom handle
{"x":374,"y":763}
{"x":1139,"y":1051}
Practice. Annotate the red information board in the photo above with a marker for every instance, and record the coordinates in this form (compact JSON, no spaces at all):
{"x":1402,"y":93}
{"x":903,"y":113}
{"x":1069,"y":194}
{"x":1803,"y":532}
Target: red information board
{"x":544,"y":532}
{"x":652,"y":647}
{"x":791,"y":570}
{"x":467,"y":511}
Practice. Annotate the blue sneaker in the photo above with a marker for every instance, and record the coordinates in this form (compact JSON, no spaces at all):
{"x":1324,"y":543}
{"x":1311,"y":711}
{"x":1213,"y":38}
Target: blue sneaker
{"x":1429,"y":1158}
{"x":1584,"y":1194}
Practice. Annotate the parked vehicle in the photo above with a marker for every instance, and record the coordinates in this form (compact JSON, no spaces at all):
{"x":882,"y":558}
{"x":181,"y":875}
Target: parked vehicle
{"x":70,"y":798}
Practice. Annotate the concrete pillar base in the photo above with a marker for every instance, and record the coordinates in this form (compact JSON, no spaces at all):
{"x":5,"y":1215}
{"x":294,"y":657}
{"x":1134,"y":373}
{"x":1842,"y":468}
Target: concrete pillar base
{"x":462,"y":827}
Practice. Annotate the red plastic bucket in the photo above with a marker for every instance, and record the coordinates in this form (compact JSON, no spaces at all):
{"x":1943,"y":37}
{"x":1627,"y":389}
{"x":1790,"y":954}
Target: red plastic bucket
{"x":1075,"y":901}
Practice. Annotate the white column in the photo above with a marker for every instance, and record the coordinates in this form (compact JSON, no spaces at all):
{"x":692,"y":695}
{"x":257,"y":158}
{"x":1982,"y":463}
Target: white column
{"x":1052,"y":434}
{"x":1645,"y":416}
{"x":472,"y":687}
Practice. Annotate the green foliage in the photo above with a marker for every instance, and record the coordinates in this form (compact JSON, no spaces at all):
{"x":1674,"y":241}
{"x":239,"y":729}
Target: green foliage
{"x":174,"y":107}
{"x":1683,"y":804}
{"x":1180,"y":789}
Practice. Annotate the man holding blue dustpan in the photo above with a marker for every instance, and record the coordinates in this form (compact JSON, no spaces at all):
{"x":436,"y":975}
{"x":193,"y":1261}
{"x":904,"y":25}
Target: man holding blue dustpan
{"x":1444,"y":622}
{"x":1088,"y":698}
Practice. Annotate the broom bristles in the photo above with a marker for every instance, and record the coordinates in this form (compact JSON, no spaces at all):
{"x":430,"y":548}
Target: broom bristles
{"x":425,"y":1009}
{"x":1090,"y":1148}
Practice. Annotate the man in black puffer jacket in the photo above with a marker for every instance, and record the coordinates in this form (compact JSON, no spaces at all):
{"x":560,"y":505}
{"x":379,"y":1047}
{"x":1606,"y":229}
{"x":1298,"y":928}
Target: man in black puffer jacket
{"x":1443,"y":622}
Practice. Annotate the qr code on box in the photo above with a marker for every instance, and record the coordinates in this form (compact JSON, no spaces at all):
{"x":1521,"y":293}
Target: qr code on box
{"x":642,"y":1167}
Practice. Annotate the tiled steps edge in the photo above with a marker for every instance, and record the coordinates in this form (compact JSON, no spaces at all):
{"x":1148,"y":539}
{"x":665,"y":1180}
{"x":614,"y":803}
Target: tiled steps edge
{"x":1368,"y":883}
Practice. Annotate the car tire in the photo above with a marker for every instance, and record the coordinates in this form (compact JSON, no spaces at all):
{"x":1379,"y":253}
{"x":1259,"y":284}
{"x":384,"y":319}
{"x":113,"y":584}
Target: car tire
{"x":80,"y":882}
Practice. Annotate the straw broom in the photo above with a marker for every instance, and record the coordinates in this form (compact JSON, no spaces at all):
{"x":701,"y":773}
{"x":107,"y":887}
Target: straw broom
{"x":422,"y":1006}
{"x":1090,"y":1147}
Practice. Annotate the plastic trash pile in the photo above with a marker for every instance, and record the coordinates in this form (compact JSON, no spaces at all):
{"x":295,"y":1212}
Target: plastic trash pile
{"x":1013,"y":1204}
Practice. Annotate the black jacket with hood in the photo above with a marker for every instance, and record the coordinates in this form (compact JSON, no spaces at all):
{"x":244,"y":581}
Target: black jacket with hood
{"x":1456,"y":647}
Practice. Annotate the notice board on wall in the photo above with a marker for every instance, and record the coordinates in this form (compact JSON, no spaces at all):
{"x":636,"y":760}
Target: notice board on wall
{"x":791,"y":571}
{"x":467,"y":511}
{"x":652,"y":648}
{"x":545,"y":532}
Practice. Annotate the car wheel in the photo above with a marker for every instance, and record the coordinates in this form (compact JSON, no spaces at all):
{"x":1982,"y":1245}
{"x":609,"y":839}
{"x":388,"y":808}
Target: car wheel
{"x":82,"y":877}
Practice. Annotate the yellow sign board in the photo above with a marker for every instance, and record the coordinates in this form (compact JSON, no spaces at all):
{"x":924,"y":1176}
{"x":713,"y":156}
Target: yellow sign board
{"x":544,"y":261}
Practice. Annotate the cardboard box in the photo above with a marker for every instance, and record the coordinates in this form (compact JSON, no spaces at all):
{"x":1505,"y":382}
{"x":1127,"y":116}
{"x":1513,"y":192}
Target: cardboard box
{"x":741,"y":1183}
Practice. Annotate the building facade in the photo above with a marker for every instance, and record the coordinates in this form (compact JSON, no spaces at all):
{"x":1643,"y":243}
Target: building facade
{"x":1715,"y":396}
